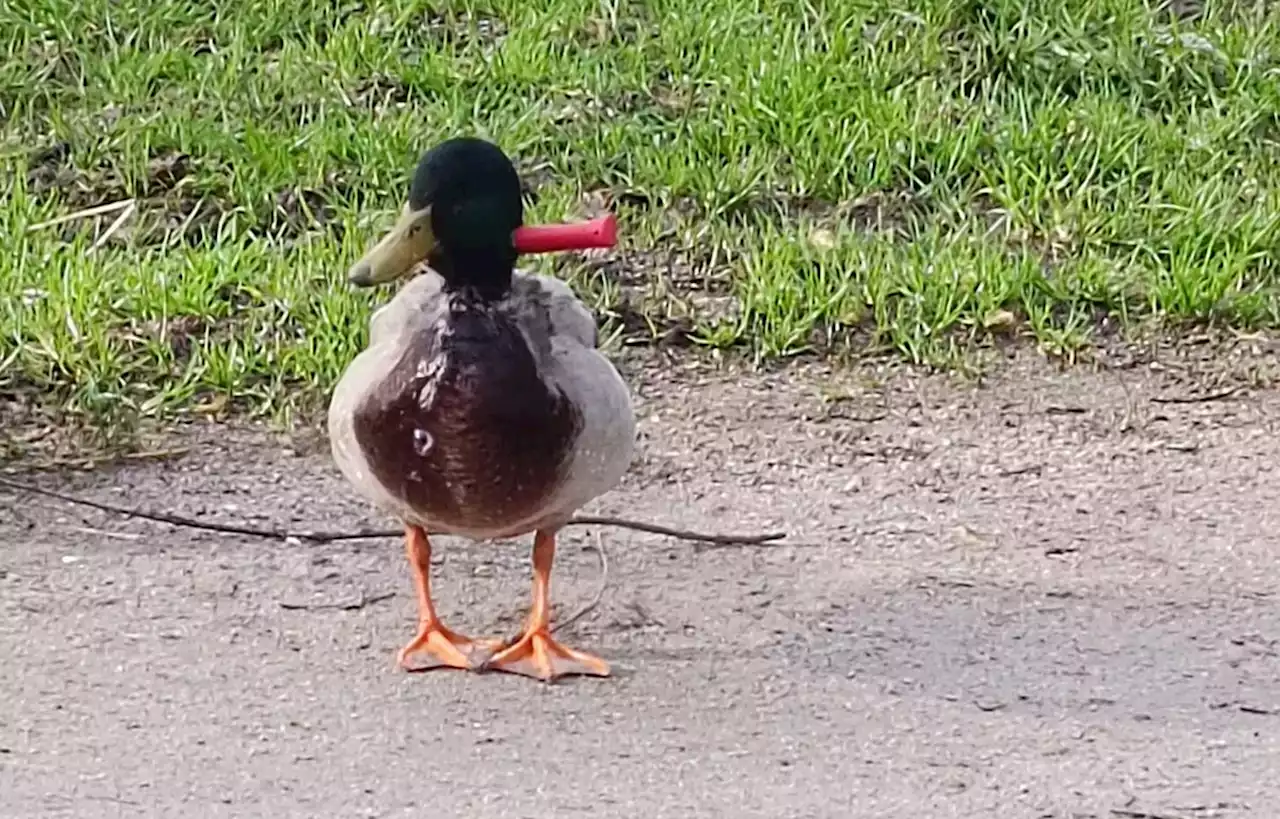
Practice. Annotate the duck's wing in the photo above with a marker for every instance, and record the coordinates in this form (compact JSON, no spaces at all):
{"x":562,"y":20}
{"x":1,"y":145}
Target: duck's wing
{"x":557,"y":322}
{"x":547,"y":309}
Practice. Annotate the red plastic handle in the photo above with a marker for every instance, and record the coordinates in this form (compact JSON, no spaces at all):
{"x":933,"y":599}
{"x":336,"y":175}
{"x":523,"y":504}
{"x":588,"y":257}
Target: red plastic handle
{"x":599,"y":232}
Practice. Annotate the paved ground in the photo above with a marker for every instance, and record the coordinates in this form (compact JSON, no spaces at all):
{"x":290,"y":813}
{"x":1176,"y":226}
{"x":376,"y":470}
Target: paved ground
{"x":1049,"y":597}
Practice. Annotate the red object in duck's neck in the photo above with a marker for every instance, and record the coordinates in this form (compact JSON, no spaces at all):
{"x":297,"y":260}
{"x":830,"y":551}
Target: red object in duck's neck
{"x":599,"y":232}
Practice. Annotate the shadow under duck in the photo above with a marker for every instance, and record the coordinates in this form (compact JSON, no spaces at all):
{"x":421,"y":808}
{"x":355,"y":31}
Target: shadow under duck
{"x":481,"y":406}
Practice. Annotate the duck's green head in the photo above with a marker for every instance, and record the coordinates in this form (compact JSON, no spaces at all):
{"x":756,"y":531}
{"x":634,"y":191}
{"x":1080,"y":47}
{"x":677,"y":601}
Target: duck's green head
{"x":463,"y":209}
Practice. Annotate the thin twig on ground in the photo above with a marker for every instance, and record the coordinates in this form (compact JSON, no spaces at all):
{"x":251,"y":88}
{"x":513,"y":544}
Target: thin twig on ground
{"x":598,"y":548}
{"x":1142,"y":814}
{"x":368,"y":534}
{"x":1196,"y":399}
{"x":360,"y":602}
{"x":1029,"y":469}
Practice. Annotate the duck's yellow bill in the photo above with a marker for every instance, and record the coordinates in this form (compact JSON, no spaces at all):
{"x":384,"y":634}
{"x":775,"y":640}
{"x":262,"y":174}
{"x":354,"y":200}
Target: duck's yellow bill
{"x":407,"y":243}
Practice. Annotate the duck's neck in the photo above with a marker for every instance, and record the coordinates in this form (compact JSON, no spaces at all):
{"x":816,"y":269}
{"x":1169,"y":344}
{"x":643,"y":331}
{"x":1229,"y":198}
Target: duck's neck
{"x":487,"y":273}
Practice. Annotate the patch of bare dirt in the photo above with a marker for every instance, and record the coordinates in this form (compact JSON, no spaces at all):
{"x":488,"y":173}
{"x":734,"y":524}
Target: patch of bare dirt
{"x":665,"y":99}
{"x":379,"y":92}
{"x":456,"y":29}
{"x":1191,"y":11}
{"x":620,"y":23}
{"x":180,"y":199}
{"x":652,"y":297}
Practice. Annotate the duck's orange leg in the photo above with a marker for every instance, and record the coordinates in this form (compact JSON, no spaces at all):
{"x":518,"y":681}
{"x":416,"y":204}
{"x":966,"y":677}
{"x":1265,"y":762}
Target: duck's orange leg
{"x":535,"y":653}
{"x":434,"y":646}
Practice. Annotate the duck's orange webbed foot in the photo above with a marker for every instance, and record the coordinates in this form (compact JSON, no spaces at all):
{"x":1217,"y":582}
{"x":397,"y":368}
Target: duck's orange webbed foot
{"x":536,"y":653}
{"x":435,"y":646}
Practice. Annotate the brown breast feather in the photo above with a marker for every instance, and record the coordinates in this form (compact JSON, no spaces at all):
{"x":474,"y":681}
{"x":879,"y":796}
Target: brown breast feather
{"x":462,"y":428}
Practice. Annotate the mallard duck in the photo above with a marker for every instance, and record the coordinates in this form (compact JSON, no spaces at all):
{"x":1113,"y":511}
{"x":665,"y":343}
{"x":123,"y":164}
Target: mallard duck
{"x":481,"y":407}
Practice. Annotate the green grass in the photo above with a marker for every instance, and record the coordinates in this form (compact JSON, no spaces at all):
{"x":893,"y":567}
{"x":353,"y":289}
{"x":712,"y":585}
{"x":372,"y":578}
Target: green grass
{"x":791,"y":176}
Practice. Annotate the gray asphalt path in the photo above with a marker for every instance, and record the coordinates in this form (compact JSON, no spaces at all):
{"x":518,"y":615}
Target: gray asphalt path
{"x":1051,"y":597}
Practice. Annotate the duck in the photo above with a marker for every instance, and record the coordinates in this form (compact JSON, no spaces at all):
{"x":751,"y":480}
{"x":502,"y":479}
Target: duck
{"x":482,"y":406}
